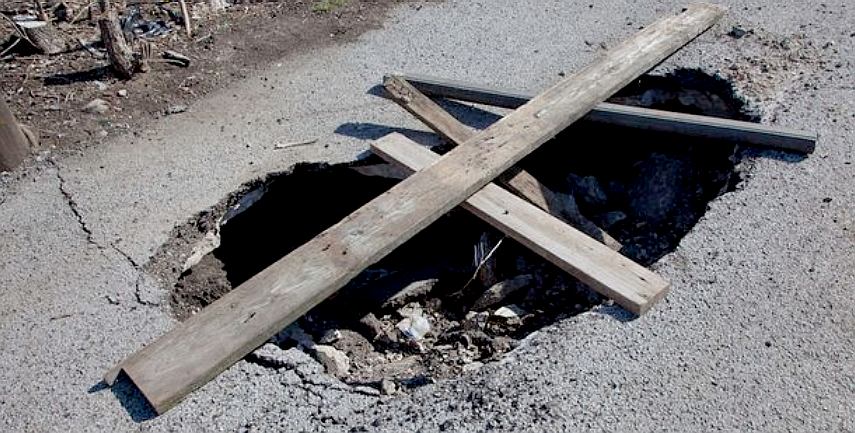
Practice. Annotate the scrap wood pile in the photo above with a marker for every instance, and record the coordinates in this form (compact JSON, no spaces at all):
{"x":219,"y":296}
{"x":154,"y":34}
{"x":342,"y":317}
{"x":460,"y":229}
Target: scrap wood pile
{"x":479,"y":174}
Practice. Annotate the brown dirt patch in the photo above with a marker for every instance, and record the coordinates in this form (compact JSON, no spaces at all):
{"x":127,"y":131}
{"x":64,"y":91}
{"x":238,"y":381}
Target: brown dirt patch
{"x":49,"y":92}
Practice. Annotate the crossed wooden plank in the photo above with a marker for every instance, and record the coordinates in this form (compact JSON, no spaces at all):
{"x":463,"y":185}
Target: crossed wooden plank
{"x":198,"y":349}
{"x":534,"y":224}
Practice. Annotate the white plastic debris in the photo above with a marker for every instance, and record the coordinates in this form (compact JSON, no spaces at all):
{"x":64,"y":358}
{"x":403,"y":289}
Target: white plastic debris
{"x":509,"y":312}
{"x":414,"y":327}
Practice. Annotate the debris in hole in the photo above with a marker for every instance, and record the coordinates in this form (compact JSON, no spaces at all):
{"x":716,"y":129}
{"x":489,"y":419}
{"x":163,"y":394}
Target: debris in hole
{"x":430,"y":270}
{"x":335,"y":361}
{"x":414,"y":325}
{"x":499,"y":291}
{"x":511,"y":312}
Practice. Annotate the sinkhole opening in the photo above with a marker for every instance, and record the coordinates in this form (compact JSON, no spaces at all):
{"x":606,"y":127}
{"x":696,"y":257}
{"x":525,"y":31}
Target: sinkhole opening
{"x":459,"y":294}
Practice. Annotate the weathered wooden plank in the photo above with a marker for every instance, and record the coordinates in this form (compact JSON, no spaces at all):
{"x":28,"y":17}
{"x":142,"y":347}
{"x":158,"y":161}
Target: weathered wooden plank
{"x":198,"y":349}
{"x":634,"y":117}
{"x":629,"y":284}
{"x":517,"y":180}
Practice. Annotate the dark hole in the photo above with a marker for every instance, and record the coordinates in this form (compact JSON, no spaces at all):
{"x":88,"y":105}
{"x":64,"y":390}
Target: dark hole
{"x":646,"y":189}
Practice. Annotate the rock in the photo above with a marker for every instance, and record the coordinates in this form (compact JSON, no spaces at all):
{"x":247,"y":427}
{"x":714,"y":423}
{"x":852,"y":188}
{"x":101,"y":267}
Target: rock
{"x":331,"y":336}
{"x":415,"y":327}
{"x":122,"y":93}
{"x":476,"y":320}
{"x":102,"y":86}
{"x":410,"y":310}
{"x":102,"y":133}
{"x":372,"y":327}
{"x":509,"y":312}
{"x":97,"y":106}
{"x":334,"y":360}
{"x":501,"y":290}
{"x":737,"y":32}
{"x":414,"y":290}
{"x":587,"y":189}
{"x":175,"y":109}
{"x":388,"y":387}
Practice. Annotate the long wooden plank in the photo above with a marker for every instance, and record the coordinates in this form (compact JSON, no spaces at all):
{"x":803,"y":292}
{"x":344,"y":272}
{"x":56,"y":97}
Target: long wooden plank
{"x":755,"y":134}
{"x":629,"y":284}
{"x":198,"y":349}
{"x":517,"y":180}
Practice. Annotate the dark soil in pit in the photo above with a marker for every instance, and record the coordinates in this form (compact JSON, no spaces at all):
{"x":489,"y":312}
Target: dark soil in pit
{"x":416,"y":316}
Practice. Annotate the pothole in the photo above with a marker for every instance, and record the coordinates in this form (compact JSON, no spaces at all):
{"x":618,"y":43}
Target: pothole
{"x":460,"y":294}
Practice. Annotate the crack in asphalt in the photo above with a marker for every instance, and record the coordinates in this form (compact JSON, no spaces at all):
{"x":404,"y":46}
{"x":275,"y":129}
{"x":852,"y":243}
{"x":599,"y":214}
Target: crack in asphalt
{"x":90,"y":236}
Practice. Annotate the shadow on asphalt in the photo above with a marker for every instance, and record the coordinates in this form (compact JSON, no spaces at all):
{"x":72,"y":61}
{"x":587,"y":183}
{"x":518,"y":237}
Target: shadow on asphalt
{"x":129,"y":397}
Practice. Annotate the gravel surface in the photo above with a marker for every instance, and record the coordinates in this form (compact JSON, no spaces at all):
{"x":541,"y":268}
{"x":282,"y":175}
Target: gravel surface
{"x":756,"y":335}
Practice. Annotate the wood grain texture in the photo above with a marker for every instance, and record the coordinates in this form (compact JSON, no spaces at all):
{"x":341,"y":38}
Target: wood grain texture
{"x":693,"y":125}
{"x":198,"y":349}
{"x":629,"y":284}
{"x":517,"y":180}
{"x":120,"y":54}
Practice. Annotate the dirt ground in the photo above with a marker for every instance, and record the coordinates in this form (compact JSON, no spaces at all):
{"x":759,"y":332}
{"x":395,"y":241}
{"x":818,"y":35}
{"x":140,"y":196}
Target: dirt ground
{"x":49,"y":93}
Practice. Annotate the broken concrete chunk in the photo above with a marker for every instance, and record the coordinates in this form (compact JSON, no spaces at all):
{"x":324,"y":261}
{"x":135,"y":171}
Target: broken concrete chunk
{"x":501,"y":290}
{"x":331,"y":336}
{"x":412,"y":291}
{"x":97,"y":106}
{"x":414,"y":327}
{"x":334,"y":360}
{"x":388,"y":387}
{"x":509,"y":312}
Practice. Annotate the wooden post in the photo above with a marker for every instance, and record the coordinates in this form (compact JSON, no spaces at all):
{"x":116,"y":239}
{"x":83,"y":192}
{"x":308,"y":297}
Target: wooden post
{"x":120,"y":54}
{"x":14,"y":147}
{"x":198,"y":349}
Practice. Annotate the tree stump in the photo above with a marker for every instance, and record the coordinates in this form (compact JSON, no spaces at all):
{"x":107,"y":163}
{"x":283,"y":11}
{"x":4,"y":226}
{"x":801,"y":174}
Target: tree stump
{"x":44,"y":36}
{"x":120,"y":54}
